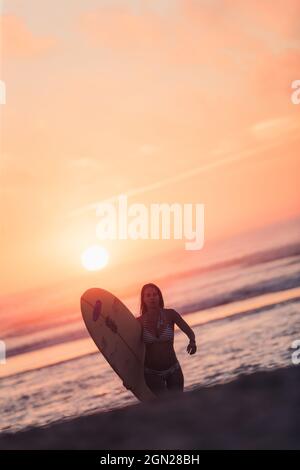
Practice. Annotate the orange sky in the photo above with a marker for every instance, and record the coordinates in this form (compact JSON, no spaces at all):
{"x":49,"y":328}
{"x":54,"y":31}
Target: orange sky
{"x":108,"y":97}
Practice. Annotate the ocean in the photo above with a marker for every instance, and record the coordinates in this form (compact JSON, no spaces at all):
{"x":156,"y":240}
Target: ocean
{"x":243,"y":304}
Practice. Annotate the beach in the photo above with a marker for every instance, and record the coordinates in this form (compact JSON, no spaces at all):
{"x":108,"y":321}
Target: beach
{"x":255,"y":411}
{"x":59,"y":392}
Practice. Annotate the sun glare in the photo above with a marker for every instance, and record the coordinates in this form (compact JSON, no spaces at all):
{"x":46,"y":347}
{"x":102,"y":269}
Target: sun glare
{"x":94,"y":258}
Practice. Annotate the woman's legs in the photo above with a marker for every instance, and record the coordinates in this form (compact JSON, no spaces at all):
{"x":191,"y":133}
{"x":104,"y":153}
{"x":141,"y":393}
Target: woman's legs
{"x":172,"y":380}
{"x":175,"y":381}
{"x":156,"y":383}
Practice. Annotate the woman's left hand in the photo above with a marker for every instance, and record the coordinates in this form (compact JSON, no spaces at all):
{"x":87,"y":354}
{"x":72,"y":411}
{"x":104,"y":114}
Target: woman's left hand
{"x":192,"y":348}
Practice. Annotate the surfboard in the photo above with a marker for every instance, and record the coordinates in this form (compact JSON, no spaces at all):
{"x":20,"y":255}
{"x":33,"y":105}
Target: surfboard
{"x":117,"y":334}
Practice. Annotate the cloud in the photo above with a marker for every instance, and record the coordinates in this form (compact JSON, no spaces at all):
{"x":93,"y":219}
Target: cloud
{"x":118,"y":29}
{"x":217,"y":51}
{"x":276,"y":127}
{"x":148,"y":149}
{"x":84,"y":162}
{"x":147,"y":35}
{"x":229,"y":157}
{"x":19,"y":42}
{"x":198,"y":33}
{"x":279,"y":23}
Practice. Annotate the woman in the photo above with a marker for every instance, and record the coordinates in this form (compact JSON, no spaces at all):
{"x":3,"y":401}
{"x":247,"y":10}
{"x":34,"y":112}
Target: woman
{"x":162,"y":370}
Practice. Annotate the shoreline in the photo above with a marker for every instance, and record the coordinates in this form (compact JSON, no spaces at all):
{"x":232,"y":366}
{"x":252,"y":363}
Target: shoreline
{"x":85,"y":347}
{"x":255,"y":411}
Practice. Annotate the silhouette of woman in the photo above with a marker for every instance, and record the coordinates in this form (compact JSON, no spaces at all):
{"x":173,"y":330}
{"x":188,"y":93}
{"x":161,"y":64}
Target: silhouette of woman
{"x":162,"y":370}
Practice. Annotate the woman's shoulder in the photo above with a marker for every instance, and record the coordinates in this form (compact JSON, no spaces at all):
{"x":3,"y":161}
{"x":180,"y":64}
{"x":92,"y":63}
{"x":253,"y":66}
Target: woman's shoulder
{"x":169,"y":310}
{"x":169,"y":313}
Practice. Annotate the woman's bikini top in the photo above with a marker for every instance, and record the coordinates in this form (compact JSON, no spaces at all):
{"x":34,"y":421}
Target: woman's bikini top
{"x":165,"y":330}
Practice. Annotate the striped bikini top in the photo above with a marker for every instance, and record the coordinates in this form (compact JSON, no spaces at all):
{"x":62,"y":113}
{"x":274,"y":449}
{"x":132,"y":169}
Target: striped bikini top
{"x":165,"y":331}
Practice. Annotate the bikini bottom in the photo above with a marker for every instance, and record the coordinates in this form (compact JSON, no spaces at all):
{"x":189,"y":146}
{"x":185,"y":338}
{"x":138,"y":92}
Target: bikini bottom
{"x":163,"y":373}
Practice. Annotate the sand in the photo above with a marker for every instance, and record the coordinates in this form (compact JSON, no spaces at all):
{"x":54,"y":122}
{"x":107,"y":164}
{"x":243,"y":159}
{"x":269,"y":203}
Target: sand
{"x":258,"y":411}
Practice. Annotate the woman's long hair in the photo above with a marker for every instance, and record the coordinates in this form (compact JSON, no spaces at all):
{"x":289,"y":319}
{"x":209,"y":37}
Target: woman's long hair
{"x":143,"y":307}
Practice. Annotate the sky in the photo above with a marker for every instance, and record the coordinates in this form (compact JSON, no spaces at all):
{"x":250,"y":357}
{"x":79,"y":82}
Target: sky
{"x":185,"y":101}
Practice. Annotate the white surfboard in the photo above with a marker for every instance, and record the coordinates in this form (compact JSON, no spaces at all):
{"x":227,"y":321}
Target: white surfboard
{"x":117,"y":334}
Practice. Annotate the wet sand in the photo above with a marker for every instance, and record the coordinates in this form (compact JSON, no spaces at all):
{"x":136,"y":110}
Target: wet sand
{"x":257,"y":411}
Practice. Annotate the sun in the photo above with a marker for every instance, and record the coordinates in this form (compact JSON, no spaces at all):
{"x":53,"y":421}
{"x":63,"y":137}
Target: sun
{"x":95,"y":257}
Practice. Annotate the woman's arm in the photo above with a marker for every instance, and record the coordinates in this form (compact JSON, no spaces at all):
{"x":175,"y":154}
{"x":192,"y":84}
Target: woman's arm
{"x":183,"y":325}
{"x":187,"y":330}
